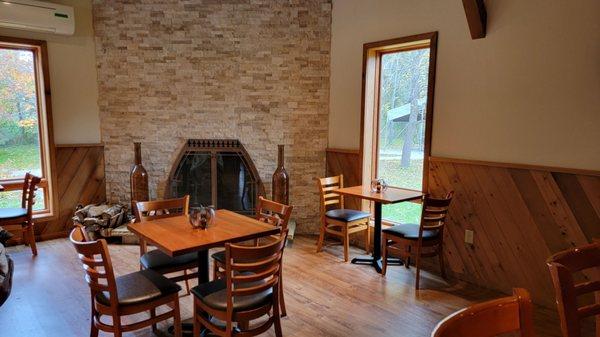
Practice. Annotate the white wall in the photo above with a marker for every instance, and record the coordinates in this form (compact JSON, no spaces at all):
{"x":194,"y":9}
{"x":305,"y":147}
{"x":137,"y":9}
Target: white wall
{"x":527,"y":93}
{"x":73,"y":79}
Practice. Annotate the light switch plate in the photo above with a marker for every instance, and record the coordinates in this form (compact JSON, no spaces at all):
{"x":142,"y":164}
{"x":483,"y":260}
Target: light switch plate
{"x":469,"y":236}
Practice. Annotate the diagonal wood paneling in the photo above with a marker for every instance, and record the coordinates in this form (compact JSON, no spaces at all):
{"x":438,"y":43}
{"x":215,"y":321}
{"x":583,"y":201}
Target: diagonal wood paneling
{"x":346,"y":162}
{"x":520,"y":216}
{"x":80,"y":180}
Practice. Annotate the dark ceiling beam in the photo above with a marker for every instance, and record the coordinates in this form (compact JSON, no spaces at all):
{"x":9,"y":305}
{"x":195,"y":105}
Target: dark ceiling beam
{"x":476,"y":17}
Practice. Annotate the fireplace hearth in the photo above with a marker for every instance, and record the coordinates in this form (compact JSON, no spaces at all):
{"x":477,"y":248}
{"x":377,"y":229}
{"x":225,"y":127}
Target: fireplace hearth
{"x":216,"y":172}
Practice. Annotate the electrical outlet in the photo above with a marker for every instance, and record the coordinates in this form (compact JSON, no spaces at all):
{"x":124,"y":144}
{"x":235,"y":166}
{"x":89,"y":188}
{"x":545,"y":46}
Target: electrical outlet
{"x":469,"y":236}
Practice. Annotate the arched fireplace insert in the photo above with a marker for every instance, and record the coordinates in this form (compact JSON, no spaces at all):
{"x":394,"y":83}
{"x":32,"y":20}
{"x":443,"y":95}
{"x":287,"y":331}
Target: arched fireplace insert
{"x":216,"y":172}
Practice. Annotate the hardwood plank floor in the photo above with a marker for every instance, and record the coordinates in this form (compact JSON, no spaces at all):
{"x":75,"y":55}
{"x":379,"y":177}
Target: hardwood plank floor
{"x":324,"y":296}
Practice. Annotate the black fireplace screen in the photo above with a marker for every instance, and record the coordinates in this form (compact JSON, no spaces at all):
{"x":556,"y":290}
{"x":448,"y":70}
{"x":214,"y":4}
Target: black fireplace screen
{"x":216,"y":172}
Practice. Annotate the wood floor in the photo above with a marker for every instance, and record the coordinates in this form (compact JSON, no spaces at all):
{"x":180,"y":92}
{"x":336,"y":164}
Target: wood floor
{"x":324,"y":296}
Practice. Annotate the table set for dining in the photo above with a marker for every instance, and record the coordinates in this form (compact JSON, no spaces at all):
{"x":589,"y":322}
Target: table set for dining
{"x":246,"y":282}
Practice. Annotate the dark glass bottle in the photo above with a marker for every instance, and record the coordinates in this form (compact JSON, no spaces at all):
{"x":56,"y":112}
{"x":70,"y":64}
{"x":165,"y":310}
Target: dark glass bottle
{"x":281,"y":180}
{"x":139,"y":177}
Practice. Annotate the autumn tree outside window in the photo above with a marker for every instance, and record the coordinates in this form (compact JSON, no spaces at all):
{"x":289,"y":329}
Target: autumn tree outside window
{"x":26,"y":140}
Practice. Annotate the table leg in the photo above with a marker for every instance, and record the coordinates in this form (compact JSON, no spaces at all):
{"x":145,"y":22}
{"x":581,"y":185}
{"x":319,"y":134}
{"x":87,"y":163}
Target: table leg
{"x":375,"y":259}
{"x":187,"y":326}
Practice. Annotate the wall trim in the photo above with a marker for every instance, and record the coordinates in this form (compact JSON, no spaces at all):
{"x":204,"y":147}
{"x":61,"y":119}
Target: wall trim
{"x":349,"y":151}
{"x":81,"y":145}
{"x":517,"y":166}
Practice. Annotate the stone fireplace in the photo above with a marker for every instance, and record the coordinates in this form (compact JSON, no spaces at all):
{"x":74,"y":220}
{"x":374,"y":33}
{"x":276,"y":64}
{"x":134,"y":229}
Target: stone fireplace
{"x":216,"y":172}
{"x":254,"y":71}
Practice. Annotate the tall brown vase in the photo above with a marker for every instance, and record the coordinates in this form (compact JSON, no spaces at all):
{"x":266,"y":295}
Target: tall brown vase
{"x":281,"y":180}
{"x":138,"y":177}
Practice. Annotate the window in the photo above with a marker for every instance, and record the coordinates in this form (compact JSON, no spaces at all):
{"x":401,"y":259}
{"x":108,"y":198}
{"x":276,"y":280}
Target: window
{"x":25,"y":134}
{"x":397,"y":113}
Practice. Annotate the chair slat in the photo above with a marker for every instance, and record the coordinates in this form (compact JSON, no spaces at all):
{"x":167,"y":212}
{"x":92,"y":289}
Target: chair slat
{"x":247,"y":291}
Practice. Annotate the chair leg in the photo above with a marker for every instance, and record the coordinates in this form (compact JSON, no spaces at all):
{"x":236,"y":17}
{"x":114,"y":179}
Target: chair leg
{"x":93,"y":328}
{"x":441,"y":257}
{"x":215,"y":270}
{"x":407,"y":263}
{"x":197,"y":325}
{"x":31,"y":239}
{"x":281,"y":299}
{"x":346,"y":240}
{"x":384,"y":255}
{"x":368,"y":238}
{"x":276,"y":315}
{"x":321,"y":238}
{"x":153,"y":315}
{"x":177,"y":318}
{"x":418,"y":266}
{"x":187,"y":283}
{"x":117,"y":326}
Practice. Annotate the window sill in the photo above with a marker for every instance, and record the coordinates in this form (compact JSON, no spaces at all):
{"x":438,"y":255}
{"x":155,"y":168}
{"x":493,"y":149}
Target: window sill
{"x":44,"y":217}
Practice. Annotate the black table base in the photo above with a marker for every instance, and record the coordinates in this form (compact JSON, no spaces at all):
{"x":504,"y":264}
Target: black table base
{"x":376,"y":263}
{"x":375,"y":259}
{"x":187,"y":326}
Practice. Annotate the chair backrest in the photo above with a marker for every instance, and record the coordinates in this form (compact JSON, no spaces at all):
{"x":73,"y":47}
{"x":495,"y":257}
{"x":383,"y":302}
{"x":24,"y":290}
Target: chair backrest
{"x":97,"y":265}
{"x":157,"y":209}
{"x":252,"y":270}
{"x":328,"y":197}
{"x":29,"y":187}
{"x":563,"y":267}
{"x":492,"y":318}
{"x":274,"y":213}
{"x":435,"y":211}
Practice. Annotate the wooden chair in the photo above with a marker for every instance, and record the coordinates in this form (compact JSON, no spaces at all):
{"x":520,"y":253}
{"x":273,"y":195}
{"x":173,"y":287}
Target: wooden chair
{"x":563,"y":266}
{"x":249,"y":290}
{"x":408,"y":240}
{"x":156,"y":259}
{"x":492,"y":318}
{"x":340,"y":222}
{"x":129,"y":294}
{"x":20,"y":219}
{"x":270,"y":212}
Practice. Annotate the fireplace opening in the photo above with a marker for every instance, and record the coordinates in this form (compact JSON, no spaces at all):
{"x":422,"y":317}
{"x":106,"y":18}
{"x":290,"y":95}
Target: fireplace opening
{"x":216,"y":172}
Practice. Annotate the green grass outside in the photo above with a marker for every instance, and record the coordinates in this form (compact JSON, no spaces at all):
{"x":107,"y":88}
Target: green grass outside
{"x":19,"y":159}
{"x":407,"y":177}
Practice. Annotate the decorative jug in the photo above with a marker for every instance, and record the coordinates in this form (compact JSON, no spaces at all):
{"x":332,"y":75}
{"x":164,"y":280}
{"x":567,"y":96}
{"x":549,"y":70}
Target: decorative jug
{"x":202,"y":217}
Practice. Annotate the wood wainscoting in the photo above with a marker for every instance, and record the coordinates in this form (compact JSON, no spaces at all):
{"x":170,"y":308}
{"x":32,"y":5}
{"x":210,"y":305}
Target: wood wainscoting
{"x":520,"y":215}
{"x":80,"y":180}
{"x":346,"y":162}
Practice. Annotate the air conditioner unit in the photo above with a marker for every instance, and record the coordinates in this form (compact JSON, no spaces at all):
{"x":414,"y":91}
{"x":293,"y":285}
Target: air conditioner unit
{"x":37,"y":16}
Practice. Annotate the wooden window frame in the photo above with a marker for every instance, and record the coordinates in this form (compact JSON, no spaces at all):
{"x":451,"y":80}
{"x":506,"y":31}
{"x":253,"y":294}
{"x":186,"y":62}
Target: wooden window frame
{"x":45,"y":128}
{"x":371,"y":79}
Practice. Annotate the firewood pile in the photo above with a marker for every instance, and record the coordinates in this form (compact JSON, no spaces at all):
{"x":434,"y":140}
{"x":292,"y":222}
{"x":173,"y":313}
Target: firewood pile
{"x":104,"y":220}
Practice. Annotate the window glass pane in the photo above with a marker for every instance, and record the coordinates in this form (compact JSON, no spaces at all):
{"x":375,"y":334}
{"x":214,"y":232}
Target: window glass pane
{"x":19,"y":130}
{"x":13,"y":199}
{"x":401,"y":137}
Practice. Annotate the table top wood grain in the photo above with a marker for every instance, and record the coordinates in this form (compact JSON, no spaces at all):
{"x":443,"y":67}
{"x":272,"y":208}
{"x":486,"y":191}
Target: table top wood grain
{"x":390,"y":195}
{"x":175,"y":236}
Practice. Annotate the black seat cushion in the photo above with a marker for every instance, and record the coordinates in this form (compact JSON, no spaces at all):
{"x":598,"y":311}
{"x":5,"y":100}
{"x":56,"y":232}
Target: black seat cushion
{"x":219,"y":256}
{"x":11,"y":213}
{"x":346,"y":215}
{"x":411,"y":232}
{"x":141,"y":286}
{"x":157,"y":260}
{"x":214,"y":295}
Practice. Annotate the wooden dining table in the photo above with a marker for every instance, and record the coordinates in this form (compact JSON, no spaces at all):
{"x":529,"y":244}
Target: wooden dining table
{"x":390,"y":195}
{"x":175,"y":235}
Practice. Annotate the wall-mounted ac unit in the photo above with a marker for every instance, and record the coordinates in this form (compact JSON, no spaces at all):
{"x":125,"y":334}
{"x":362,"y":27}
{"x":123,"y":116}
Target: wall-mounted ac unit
{"x":37,"y":16}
